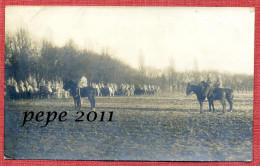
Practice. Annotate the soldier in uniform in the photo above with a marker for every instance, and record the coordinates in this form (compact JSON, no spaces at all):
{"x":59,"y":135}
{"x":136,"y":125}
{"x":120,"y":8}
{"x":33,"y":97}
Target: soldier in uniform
{"x":83,"y":82}
{"x":218,"y":83}
{"x":209,"y":82}
{"x":209,"y":79}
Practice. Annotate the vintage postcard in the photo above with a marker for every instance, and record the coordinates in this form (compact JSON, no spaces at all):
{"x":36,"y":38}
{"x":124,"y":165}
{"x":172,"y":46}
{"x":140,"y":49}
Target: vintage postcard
{"x":129,"y":83}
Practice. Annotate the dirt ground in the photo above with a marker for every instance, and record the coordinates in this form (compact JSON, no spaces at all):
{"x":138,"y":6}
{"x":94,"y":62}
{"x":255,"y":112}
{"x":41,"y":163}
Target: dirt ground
{"x":164,"y":127}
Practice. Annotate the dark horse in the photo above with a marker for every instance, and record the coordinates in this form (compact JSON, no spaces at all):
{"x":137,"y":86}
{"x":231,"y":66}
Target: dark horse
{"x":218,"y":94}
{"x":89,"y":92}
{"x":203,"y":90}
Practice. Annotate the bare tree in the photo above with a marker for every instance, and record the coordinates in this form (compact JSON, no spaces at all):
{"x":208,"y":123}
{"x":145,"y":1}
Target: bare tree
{"x":142,"y":64}
{"x":172,"y":74}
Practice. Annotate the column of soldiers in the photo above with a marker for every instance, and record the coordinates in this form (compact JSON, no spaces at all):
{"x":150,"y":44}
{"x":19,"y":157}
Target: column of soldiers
{"x":30,"y":88}
{"x":112,"y":89}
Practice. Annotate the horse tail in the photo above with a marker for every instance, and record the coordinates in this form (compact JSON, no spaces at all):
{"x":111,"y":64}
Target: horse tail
{"x":229,"y":94}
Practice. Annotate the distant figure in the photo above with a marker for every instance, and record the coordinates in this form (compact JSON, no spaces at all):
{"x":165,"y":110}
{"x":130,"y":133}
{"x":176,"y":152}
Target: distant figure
{"x":49,"y":86}
{"x":29,"y":88}
{"x":42,"y":83}
{"x":218,"y":83}
{"x":34,"y":85}
{"x":22,"y":86}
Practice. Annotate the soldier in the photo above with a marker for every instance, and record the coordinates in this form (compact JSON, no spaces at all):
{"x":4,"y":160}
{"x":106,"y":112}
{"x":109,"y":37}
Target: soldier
{"x":49,"y":85}
{"x":209,"y":79}
{"x":83,"y":82}
{"x":218,"y":83}
{"x":42,"y":83}
{"x":22,"y":86}
{"x":34,"y":84}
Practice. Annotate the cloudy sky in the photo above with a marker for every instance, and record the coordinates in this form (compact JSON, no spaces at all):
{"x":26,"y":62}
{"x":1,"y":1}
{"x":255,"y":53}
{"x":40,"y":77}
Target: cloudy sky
{"x":217,"y":38}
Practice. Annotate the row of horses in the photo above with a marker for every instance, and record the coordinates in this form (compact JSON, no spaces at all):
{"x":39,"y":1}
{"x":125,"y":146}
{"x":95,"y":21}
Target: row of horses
{"x":203,"y":91}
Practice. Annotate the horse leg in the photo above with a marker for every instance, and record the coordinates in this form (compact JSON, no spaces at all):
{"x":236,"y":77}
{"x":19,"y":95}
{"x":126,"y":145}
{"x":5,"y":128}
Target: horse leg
{"x":91,"y":98}
{"x":230,"y":102}
{"x":223,"y":102}
{"x":209,"y":106}
{"x":201,"y":105}
{"x":231,"y":106}
{"x":93,"y":103}
{"x":79,"y":102}
{"x":213,"y":106}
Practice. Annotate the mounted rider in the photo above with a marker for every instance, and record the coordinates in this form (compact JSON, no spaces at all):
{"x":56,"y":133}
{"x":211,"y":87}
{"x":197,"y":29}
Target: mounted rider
{"x":218,"y":83}
{"x":209,"y":80}
{"x":206,"y":84}
{"x":83,"y":82}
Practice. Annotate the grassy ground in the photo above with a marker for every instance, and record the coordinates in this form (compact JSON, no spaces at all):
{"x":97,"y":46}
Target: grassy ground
{"x":165,"y":127}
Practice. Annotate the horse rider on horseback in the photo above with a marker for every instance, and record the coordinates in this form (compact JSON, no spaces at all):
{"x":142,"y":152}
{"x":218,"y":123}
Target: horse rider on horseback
{"x":218,"y":83}
{"x":83,"y":82}
{"x":209,"y":80}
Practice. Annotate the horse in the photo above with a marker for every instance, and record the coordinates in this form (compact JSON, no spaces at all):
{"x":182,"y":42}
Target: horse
{"x":203,"y":90}
{"x":89,"y":92}
{"x":199,"y":91}
{"x":218,"y":94}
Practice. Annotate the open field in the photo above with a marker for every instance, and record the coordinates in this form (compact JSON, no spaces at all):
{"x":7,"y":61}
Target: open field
{"x":165,"y":127}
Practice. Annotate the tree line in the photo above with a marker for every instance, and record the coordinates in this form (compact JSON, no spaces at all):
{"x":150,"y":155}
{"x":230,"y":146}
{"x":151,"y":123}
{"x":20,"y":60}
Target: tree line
{"x":42,"y":59}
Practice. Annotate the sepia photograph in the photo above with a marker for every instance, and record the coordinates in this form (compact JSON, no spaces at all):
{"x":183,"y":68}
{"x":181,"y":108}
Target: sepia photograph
{"x":129,"y":83}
